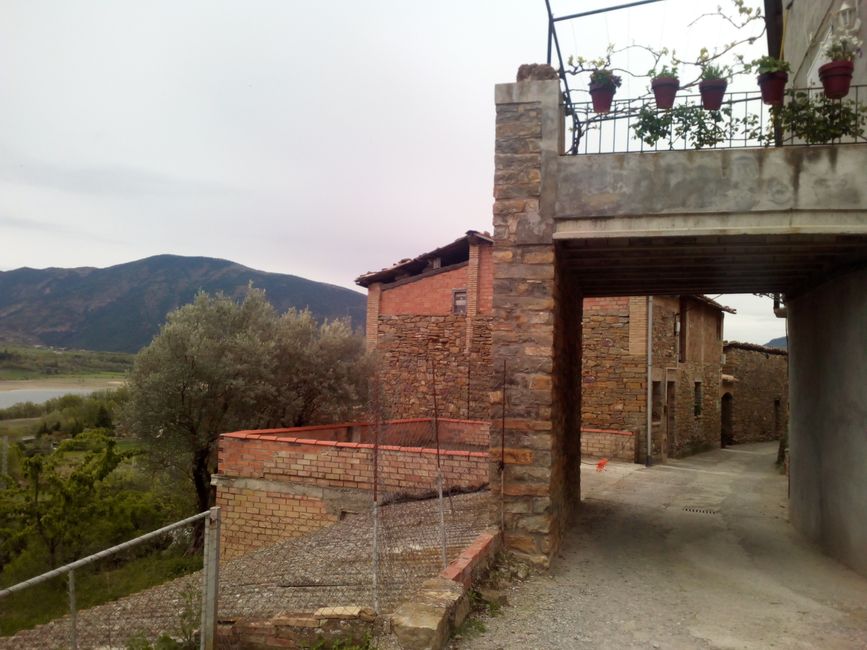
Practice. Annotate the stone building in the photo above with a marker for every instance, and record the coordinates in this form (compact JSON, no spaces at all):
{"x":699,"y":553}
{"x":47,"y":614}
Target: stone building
{"x":434,"y":310}
{"x":685,"y":371}
{"x":432,"y":314}
{"x":755,"y":393}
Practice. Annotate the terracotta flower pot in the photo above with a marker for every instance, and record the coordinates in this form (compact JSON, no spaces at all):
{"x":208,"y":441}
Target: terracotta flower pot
{"x":664,"y":90}
{"x":712,"y":93}
{"x":773,"y":86}
{"x":836,"y":77}
{"x":602,"y":95}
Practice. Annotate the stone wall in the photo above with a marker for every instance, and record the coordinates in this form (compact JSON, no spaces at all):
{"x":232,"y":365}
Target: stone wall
{"x":614,"y":370}
{"x":273,"y":486}
{"x":406,"y":348}
{"x":760,"y":395}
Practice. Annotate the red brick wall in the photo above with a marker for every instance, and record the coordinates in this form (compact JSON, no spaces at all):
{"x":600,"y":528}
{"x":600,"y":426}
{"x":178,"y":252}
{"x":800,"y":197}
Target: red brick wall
{"x":273,"y":485}
{"x":603,"y":443}
{"x":427,"y":295}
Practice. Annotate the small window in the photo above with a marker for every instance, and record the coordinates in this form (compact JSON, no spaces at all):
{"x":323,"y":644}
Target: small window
{"x":697,"y":401}
{"x":459,"y":301}
{"x":656,"y":393}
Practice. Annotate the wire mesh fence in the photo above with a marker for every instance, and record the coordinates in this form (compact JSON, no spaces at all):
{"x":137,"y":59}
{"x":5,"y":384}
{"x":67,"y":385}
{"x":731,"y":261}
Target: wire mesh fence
{"x":320,"y":527}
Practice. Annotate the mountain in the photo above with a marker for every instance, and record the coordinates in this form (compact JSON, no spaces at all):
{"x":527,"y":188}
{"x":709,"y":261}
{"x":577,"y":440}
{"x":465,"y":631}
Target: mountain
{"x":120,"y":308}
{"x":781,"y":342}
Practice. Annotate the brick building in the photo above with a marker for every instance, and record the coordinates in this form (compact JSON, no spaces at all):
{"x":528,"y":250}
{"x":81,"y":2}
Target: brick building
{"x":434,"y":310}
{"x":755,"y":393}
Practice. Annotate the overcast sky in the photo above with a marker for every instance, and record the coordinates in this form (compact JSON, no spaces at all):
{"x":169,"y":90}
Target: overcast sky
{"x":321,"y":139}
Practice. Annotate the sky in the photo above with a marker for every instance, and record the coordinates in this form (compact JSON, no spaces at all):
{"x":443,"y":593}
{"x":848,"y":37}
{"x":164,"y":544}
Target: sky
{"x":320,"y":139}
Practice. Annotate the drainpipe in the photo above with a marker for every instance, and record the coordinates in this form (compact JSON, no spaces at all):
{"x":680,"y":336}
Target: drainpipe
{"x":649,"y":406}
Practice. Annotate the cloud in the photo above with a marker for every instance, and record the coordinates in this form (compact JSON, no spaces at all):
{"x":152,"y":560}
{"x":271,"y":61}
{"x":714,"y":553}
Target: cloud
{"x":114,"y":180}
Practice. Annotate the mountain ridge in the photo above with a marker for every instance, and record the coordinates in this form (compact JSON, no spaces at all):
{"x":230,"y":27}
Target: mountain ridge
{"x":119,"y":308}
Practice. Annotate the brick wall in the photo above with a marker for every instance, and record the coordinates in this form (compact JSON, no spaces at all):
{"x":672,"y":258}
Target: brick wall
{"x":428,"y":294}
{"x":760,"y":395}
{"x":604,"y":443}
{"x":273,"y":485}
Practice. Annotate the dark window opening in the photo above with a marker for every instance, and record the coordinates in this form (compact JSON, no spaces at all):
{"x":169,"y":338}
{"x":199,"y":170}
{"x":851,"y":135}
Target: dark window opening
{"x":697,"y":399}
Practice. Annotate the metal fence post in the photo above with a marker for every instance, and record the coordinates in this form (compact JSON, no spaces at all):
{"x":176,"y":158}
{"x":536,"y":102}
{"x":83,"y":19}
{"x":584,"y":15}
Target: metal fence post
{"x":210,"y":580}
{"x":73,"y":615}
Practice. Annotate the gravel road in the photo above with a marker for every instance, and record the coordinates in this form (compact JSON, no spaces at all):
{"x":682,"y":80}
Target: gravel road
{"x":696,"y":553}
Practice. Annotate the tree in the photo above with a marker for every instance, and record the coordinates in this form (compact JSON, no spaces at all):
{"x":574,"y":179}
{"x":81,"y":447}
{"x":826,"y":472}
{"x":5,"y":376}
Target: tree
{"x":68,"y":503}
{"x":218,"y":366}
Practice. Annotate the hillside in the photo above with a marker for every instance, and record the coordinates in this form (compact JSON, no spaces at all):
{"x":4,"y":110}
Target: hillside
{"x":120,"y":308}
{"x":780,"y":342}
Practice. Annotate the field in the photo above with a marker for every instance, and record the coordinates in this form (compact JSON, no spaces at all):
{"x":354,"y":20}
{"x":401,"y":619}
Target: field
{"x":19,"y":362}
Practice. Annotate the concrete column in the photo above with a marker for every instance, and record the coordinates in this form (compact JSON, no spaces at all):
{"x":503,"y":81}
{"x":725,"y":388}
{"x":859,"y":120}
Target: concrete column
{"x":828,"y":416}
{"x":526,"y":333}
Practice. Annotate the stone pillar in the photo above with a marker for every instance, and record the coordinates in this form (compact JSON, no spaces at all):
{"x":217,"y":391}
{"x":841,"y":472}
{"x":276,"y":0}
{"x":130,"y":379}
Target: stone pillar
{"x":534,"y":310}
{"x":374,"y":293}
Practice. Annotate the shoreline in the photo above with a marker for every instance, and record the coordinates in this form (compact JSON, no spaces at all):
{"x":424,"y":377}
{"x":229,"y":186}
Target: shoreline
{"x":59,"y":383}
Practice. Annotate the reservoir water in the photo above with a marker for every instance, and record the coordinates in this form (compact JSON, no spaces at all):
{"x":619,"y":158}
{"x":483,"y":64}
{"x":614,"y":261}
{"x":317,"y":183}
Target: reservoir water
{"x":38,"y":395}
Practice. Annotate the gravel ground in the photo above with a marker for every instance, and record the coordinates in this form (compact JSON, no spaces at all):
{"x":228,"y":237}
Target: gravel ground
{"x":331,"y":567}
{"x":644,"y":566}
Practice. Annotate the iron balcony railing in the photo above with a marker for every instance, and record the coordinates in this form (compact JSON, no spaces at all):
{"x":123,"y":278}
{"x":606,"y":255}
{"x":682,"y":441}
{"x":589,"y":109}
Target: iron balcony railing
{"x":742,"y":121}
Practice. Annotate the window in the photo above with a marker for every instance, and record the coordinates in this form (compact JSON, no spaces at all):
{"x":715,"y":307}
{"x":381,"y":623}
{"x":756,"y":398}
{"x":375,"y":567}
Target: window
{"x":459,"y":301}
{"x":680,"y":320}
{"x":697,"y":399}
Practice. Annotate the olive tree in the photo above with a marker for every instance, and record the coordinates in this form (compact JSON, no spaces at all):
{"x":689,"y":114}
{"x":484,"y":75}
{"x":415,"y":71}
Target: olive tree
{"x":219,"y":365}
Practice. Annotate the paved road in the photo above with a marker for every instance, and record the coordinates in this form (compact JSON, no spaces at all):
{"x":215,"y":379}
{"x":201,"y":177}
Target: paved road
{"x":646,"y":567}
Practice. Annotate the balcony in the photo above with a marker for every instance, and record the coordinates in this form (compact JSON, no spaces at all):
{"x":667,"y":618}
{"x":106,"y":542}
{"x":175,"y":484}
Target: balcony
{"x":743,"y":121}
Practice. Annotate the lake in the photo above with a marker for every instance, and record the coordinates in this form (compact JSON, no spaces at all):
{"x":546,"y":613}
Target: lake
{"x":38,"y":395}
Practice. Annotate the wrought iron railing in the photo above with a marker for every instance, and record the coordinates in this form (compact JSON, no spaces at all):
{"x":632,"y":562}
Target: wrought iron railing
{"x":636,"y":125}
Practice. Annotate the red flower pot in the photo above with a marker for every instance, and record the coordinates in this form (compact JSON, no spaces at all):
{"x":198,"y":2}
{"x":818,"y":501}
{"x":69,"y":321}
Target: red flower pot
{"x":664,"y":90}
{"x":836,"y":77}
{"x":602,"y":95}
{"x":712,"y":93}
{"x":773,"y":86}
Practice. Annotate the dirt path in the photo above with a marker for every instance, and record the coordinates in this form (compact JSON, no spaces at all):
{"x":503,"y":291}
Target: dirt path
{"x":645,"y":566}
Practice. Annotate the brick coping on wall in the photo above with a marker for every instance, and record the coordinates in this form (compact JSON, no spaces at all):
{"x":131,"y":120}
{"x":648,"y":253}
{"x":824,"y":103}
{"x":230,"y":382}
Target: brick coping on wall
{"x":616,"y":432}
{"x":278,"y":435}
{"x":343,"y":425}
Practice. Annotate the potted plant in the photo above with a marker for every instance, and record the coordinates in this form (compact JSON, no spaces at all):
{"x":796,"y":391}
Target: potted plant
{"x":836,"y":76}
{"x":712,"y":86}
{"x":665,"y":85}
{"x":773,"y":75}
{"x":603,"y":84}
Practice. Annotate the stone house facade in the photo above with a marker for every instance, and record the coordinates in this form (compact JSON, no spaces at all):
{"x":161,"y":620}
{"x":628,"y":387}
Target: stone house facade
{"x":685,"y":371}
{"x":434,"y":310}
{"x":755,"y":393}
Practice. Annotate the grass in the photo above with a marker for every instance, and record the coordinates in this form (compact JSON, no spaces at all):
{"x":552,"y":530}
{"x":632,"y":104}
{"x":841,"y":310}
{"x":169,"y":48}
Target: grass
{"x":18,"y":362}
{"x":49,"y":600}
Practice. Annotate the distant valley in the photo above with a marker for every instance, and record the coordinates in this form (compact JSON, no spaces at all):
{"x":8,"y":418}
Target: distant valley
{"x":120,"y":308}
